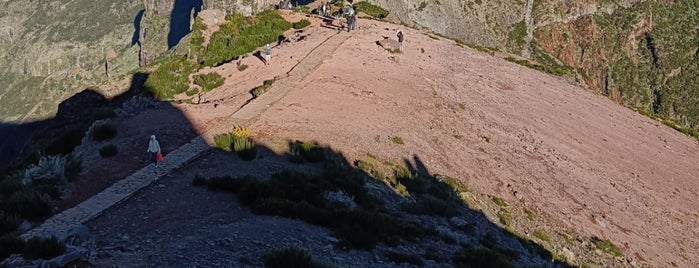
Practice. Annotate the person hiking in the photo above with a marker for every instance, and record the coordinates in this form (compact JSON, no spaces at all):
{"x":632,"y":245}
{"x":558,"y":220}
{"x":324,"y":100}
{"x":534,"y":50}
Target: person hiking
{"x":154,"y":154}
{"x":268,"y":54}
{"x":400,"y":40}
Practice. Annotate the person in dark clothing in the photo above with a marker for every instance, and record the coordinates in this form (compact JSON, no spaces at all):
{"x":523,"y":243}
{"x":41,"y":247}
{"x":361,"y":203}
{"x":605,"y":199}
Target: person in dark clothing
{"x":400,"y":39}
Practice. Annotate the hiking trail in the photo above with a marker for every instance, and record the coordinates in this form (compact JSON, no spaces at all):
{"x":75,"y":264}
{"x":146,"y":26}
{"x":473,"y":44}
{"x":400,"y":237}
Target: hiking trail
{"x":120,"y":191}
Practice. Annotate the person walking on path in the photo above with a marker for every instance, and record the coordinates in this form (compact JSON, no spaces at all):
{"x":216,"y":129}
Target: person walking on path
{"x":154,"y":154}
{"x":400,"y":40}
{"x":268,"y":54}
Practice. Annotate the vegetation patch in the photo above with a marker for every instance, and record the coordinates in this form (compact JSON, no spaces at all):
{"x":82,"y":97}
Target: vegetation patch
{"x":399,"y":257}
{"x":43,"y":248}
{"x":505,"y":217}
{"x":103,"y":132}
{"x":28,"y":204}
{"x":422,"y":6}
{"x":542,"y":236}
{"x":480,"y":257}
{"x":558,"y":70}
{"x":209,"y":81}
{"x":171,"y":78}
{"x":259,"y":90}
{"x":301,"y":24}
{"x":242,"y":67}
{"x":302,"y":196}
{"x":371,"y":9}
{"x":306,"y":152}
{"x":108,"y":150}
{"x":607,"y":246}
{"x":396,"y":140}
{"x":287,"y":258}
{"x":238,"y":141}
{"x":241,"y":35}
{"x":499,"y":201}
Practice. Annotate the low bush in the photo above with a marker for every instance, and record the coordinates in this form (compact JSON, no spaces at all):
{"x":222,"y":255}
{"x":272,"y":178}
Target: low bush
{"x":43,"y":248}
{"x":242,"y":67}
{"x":10,"y":244}
{"x":298,"y":195}
{"x":371,"y":9}
{"x":301,"y":24}
{"x":103,"y":132}
{"x":241,"y":35}
{"x":245,"y":148}
{"x":224,"y":141}
{"x":398,"y":257}
{"x":64,"y":140}
{"x":306,"y":151}
{"x":396,"y":140}
{"x":209,"y":81}
{"x":108,"y":150}
{"x":198,"y":181}
{"x":29,"y":204}
{"x":607,"y":246}
{"x":287,"y":258}
{"x":8,"y":222}
{"x":542,"y":236}
{"x":73,"y":166}
{"x":257,"y":91}
{"x":431,"y":205}
{"x":171,"y":78}
{"x":480,"y":257}
{"x":50,"y":169}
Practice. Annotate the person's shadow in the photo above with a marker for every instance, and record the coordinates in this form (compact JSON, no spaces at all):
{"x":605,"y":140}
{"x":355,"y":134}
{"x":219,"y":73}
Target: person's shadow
{"x":258,"y":55}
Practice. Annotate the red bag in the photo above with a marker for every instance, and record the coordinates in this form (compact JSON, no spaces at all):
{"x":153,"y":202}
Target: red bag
{"x":159,"y":157}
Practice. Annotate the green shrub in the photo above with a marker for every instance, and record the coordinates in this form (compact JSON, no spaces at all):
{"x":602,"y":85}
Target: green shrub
{"x":479,"y":257}
{"x":103,"y":132}
{"x":422,"y":6}
{"x":198,"y":181}
{"x":371,"y":9}
{"x":505,"y":217}
{"x":431,"y":205}
{"x":301,"y":24}
{"x":542,"y":236}
{"x":302,"y":9}
{"x":29,"y":204}
{"x":9,"y":186}
{"x":73,"y":166}
{"x":64,"y":139}
{"x":50,"y":169}
{"x":607,"y":246}
{"x":242,"y":35}
{"x":171,"y":78}
{"x":298,"y":195}
{"x":10,"y":244}
{"x":499,"y":201}
{"x":224,"y":141}
{"x":108,"y":150}
{"x":245,"y":148}
{"x":287,"y":258}
{"x":396,"y":140}
{"x":8,"y":222}
{"x":257,"y":91}
{"x":398,"y":257}
{"x":209,"y":81}
{"x":307,"y":151}
{"x":43,"y":248}
{"x":242,"y":67}
{"x":191,"y":92}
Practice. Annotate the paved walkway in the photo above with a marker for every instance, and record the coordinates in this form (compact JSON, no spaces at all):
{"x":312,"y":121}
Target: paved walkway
{"x":60,"y":223}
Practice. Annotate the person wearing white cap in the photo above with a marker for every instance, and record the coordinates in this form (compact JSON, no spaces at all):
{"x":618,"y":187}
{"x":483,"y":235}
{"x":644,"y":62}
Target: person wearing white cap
{"x":154,"y":151}
{"x":268,"y":54}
